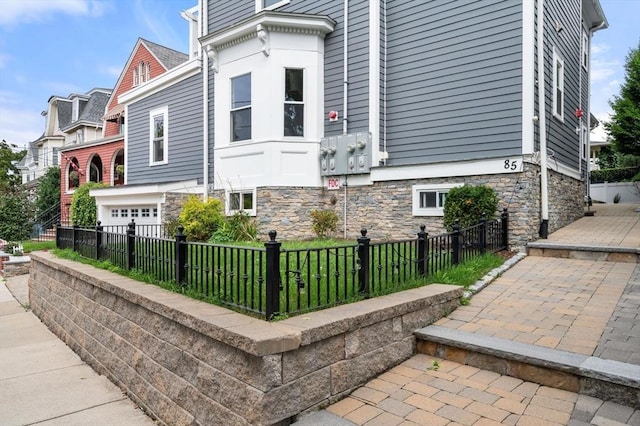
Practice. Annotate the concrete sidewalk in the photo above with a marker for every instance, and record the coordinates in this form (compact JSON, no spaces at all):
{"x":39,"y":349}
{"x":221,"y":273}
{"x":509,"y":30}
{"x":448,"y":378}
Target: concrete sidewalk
{"x":574,"y":314}
{"x":43,"y":382}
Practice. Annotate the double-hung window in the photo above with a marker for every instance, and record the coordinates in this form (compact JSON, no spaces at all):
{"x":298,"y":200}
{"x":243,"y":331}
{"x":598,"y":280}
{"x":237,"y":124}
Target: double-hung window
{"x":158,"y":140}
{"x":241,"y":108}
{"x":294,"y":102}
{"x":558,"y":86}
{"x":585,"y":50}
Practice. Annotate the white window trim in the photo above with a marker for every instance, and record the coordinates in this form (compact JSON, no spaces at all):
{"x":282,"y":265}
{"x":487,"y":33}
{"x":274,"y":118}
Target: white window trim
{"x":259,"y":4}
{"x":164,"y":111}
{"x":230,"y":212}
{"x":585,"y":50}
{"x":431,"y":211}
{"x":558,"y":61}
{"x":249,"y":107}
{"x":285,"y":102}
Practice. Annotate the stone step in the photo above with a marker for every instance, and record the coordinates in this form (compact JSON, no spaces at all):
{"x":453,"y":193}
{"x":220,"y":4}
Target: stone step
{"x":601,"y":378}
{"x":575,"y":251}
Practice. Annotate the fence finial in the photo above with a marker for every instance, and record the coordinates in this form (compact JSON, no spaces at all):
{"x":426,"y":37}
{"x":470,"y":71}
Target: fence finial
{"x":272,"y":235}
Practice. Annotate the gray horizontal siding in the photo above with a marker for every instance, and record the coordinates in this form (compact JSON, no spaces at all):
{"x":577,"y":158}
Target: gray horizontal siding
{"x":562,"y":139}
{"x":184,"y":101}
{"x":454,"y":89}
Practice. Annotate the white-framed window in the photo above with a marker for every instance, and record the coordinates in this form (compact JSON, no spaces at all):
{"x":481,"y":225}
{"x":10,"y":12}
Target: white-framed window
{"x":244,"y":201}
{"x":124,"y":212}
{"x":428,"y":200}
{"x":136,"y":77}
{"x":159,"y":136}
{"x":294,"y":102}
{"x":241,"y":108}
{"x":134,"y":212}
{"x":141,"y":73}
{"x":269,"y":4}
{"x":145,"y":212}
{"x":155,"y":212}
{"x":585,"y":50}
{"x":585,"y":142}
{"x":558,"y":85}
{"x":114,"y":212}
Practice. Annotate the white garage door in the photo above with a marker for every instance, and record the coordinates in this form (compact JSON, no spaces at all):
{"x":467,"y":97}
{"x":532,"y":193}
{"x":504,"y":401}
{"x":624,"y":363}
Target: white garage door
{"x":141,"y":215}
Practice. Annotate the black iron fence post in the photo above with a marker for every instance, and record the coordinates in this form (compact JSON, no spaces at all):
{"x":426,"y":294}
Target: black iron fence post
{"x":455,"y":241}
{"x":131,"y":245}
{"x":58,"y":235}
{"x":363,"y":262}
{"x":181,"y":256}
{"x":74,"y":236}
{"x":483,"y":234}
{"x":273,"y":276}
{"x":99,"y":240}
{"x":504,"y":217}
{"x":422,"y":242}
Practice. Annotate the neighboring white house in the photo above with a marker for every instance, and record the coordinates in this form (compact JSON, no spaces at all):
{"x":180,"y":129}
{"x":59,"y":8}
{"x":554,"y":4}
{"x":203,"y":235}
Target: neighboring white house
{"x":598,"y":139}
{"x":73,"y":119}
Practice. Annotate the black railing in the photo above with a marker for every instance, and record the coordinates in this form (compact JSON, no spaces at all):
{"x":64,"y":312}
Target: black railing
{"x":273,"y":281}
{"x":44,"y":224}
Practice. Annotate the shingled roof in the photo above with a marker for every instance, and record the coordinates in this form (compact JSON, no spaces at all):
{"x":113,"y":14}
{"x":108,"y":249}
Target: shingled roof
{"x":168,"y":57}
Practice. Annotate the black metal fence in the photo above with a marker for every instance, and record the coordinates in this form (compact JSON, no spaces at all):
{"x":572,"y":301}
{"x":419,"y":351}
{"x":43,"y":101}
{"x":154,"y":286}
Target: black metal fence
{"x":270,"y":281}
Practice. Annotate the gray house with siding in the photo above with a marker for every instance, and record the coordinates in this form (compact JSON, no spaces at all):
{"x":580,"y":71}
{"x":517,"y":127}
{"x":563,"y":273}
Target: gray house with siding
{"x":375,"y":109}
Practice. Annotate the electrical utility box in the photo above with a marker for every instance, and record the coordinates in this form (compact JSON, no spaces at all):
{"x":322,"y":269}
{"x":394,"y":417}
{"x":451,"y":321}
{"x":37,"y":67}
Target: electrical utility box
{"x":345,"y":154}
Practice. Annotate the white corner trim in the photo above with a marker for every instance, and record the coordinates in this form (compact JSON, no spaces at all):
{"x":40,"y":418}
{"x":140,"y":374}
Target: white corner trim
{"x":528,"y":76}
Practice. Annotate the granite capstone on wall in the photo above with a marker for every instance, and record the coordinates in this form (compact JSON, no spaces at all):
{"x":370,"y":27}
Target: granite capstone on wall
{"x":188,"y":362}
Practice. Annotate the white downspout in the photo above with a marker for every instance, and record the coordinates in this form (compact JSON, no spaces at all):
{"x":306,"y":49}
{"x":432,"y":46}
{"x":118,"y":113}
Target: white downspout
{"x":374,"y":77}
{"x":204,"y":25}
{"x":345,"y":68}
{"x":542,"y":112}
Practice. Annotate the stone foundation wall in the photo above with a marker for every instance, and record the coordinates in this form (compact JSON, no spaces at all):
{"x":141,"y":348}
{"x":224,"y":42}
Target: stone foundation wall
{"x":172,"y":206}
{"x":187,"y":362}
{"x":385,"y":208}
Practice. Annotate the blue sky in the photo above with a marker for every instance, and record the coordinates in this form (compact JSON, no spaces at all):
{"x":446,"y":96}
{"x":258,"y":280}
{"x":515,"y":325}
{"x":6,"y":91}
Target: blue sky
{"x":58,"y":47}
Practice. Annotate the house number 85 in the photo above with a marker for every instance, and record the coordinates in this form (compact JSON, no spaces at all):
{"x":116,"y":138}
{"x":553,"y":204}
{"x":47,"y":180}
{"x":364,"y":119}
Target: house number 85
{"x":510,"y":164}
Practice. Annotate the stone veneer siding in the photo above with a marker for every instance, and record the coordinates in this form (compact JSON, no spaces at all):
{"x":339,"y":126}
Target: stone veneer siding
{"x":172,"y":206}
{"x":385,"y":208}
{"x":190,"y":363}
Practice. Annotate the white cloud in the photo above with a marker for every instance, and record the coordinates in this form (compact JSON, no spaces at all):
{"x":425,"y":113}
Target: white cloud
{"x":15,"y":12}
{"x":157,"y":22}
{"x":20,"y":126}
{"x":113,"y":71}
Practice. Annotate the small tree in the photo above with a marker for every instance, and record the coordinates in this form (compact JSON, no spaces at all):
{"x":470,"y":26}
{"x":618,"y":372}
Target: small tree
{"x":468,"y":204}
{"x":48,"y":193}
{"x":624,"y":127}
{"x":9,"y":174}
{"x":83,"y":205}
{"x":201,"y":219}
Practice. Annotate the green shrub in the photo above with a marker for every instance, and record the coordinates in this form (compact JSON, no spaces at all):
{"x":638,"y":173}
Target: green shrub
{"x":324,"y":222}
{"x":83,"y":205}
{"x":468,"y":204}
{"x":171,"y":227}
{"x":201,"y":219}
{"x":15,"y":215}
{"x":614,"y":175}
{"x":243,"y":227}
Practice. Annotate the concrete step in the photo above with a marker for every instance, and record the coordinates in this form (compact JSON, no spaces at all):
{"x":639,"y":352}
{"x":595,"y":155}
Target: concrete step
{"x":601,"y":378}
{"x":575,"y":251}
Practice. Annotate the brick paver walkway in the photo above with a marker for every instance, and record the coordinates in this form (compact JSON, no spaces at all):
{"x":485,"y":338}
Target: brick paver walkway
{"x":621,"y":337}
{"x":418,"y":393}
{"x":556,"y":303}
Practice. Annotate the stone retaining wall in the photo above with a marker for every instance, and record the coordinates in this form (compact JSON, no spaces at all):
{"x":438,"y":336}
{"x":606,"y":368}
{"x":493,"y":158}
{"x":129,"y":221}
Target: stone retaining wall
{"x":187,"y":362}
{"x":385,"y":208}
